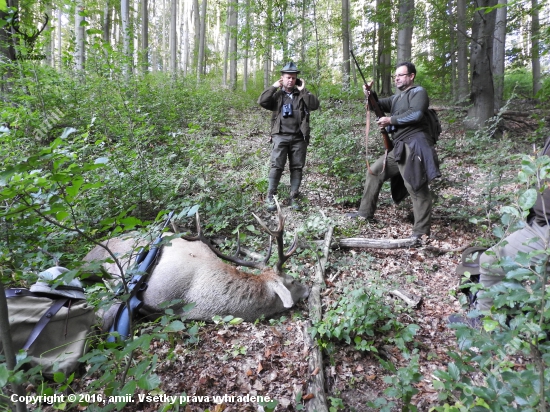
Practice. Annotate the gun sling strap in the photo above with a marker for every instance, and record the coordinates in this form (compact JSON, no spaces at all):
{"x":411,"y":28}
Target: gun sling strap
{"x":46,"y":317}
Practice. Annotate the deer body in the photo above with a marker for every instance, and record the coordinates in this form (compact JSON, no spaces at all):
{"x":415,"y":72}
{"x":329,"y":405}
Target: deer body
{"x":192,"y":272}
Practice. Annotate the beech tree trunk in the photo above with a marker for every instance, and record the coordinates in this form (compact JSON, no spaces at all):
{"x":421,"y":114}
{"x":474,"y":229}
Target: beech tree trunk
{"x":462,"y":51}
{"x":499,"y":53}
{"x":79,"y":55}
{"x":404,"y":35}
{"x":144,"y":36}
{"x":345,"y":44}
{"x":246,"y":45}
{"x":173,"y":37}
{"x":106,"y":22}
{"x":535,"y":47}
{"x":482,"y":93}
{"x":234,"y":31}
{"x":202,"y":40}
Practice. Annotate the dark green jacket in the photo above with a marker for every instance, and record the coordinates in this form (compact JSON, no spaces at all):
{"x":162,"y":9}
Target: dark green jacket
{"x":407,"y":112}
{"x":272,"y":99}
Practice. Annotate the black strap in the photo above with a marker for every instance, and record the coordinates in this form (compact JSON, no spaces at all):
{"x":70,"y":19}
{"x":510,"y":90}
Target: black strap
{"x":16,"y":293}
{"x":46,"y":317}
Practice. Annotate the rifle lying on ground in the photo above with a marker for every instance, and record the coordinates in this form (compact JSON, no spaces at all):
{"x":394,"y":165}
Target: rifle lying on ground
{"x":142,"y":266}
{"x":373,"y":102}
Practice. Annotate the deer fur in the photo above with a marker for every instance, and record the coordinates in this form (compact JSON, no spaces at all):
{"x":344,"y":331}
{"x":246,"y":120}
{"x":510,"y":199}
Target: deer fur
{"x":191,"y":271}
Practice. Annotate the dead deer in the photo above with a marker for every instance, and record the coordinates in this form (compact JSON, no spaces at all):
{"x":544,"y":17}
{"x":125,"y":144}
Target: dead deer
{"x":189,"y":269}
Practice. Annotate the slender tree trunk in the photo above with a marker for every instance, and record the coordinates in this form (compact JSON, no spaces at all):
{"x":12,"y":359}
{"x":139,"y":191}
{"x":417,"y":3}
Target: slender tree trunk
{"x":268,"y":44}
{"x":482,"y":94}
{"x":7,"y":344}
{"x":202,"y":41}
{"x":462,"y":47}
{"x":125,"y":17}
{"x":535,"y":47}
{"x":59,"y":40}
{"x":246,"y":45}
{"x":107,"y":22}
{"x":185,"y":40}
{"x":453,"y":42}
{"x":48,"y":32}
{"x":405,"y":32}
{"x":79,"y":36}
{"x":345,"y":44}
{"x":226,"y":43}
{"x":173,"y":37}
{"x":499,"y":52}
{"x":234,"y":31}
{"x":144,"y":36}
{"x":385,"y":44}
{"x":196,"y":41}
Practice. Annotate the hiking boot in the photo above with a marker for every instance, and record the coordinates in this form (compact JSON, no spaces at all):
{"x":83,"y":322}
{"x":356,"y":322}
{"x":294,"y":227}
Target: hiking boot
{"x":473,"y":323}
{"x":294,"y":201}
{"x":270,"y":202}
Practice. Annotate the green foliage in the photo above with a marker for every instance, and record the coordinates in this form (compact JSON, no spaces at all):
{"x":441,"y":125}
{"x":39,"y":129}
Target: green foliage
{"x":517,"y":325}
{"x":338,"y":150}
{"x":358,"y":317}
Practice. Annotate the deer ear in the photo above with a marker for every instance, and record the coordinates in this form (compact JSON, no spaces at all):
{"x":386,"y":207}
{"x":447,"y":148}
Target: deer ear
{"x":281,"y":290}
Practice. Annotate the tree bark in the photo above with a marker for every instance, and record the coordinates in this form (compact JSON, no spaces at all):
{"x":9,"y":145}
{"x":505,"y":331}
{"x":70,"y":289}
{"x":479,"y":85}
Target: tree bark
{"x":226,"y":43}
{"x":7,"y":344}
{"x":202,"y":41}
{"x":462,"y":51}
{"x":384,"y":47}
{"x":482,"y":93}
{"x":48,"y":32}
{"x":234,"y":31}
{"x":79,"y":36}
{"x":535,"y":47}
{"x":173,"y":37}
{"x":246,"y":45}
{"x":345,"y":45}
{"x":405,"y":33}
{"x":106,"y":22}
{"x":144,"y":36}
{"x":499,"y":53}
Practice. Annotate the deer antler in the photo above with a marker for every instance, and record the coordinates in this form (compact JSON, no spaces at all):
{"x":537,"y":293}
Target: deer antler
{"x":278,"y":235}
{"x":235,"y":259}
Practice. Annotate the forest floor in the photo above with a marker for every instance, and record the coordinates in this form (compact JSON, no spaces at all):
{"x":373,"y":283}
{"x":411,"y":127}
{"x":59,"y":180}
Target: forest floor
{"x":270,"y":357}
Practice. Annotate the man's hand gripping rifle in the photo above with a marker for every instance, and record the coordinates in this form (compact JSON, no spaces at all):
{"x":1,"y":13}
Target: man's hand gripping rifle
{"x":142,"y":266}
{"x":373,"y":103}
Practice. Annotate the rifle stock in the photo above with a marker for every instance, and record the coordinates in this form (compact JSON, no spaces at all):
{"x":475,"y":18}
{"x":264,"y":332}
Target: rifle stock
{"x":373,"y":103}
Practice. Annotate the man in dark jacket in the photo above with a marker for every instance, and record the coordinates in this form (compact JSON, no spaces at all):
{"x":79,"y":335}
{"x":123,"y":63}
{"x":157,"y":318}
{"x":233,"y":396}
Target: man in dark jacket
{"x":291,"y":103}
{"x":534,"y":236}
{"x":413,"y":161}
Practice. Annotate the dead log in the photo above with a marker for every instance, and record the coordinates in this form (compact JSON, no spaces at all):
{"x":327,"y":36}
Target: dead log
{"x":316,"y":381}
{"x":413,"y":301}
{"x":378,"y":243}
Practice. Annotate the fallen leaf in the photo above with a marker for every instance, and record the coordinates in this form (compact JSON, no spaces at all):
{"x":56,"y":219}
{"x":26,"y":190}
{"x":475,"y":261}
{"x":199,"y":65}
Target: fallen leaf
{"x":260,"y":367}
{"x":308,"y":397}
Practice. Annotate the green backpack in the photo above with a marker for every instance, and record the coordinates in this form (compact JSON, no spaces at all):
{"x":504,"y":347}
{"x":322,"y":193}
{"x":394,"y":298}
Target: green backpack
{"x":51,"y":325}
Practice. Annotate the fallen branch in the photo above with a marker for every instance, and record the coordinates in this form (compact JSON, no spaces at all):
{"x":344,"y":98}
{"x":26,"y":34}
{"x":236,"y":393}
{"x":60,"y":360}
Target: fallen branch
{"x":412,"y":302}
{"x":378,"y":243}
{"x":316,"y":383}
